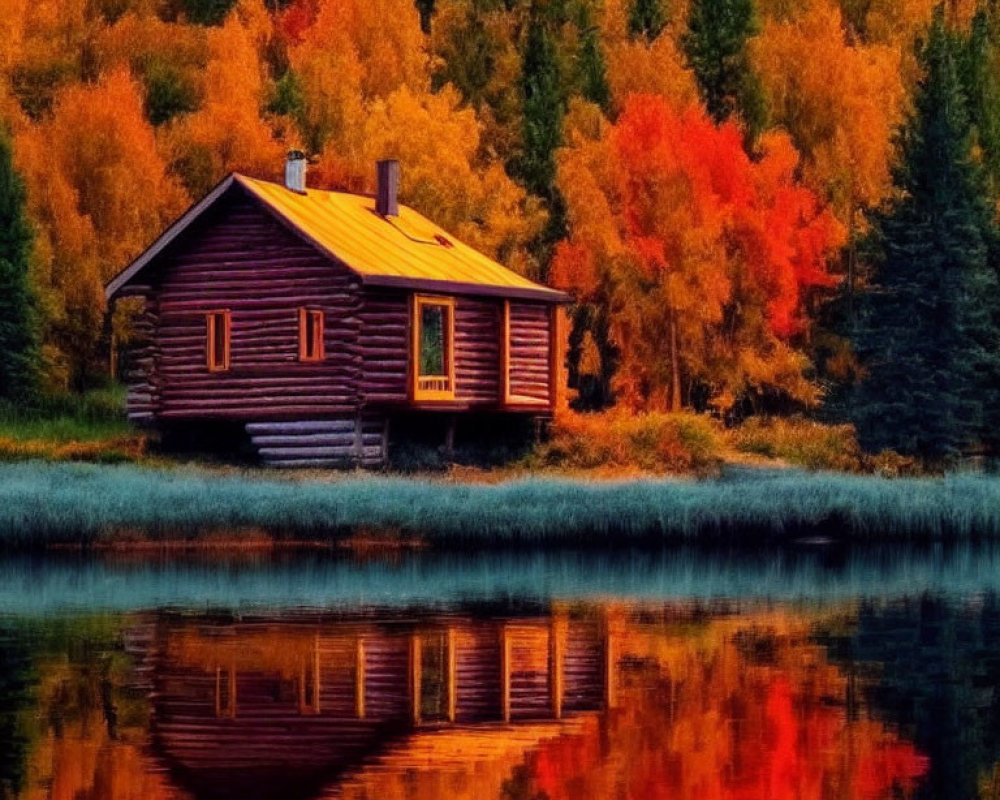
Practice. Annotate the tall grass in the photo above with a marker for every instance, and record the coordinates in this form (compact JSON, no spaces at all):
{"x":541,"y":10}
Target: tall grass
{"x":44,"y":503}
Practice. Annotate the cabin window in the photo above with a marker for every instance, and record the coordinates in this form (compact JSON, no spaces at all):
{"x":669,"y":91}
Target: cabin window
{"x":311,"y":335}
{"x":217,"y":340}
{"x":434,"y":348}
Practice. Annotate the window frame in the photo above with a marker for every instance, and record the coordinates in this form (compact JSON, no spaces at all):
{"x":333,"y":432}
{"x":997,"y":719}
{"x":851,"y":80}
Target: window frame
{"x":212,"y":318}
{"x":423,"y":394}
{"x":309,"y":316}
{"x":505,"y":395}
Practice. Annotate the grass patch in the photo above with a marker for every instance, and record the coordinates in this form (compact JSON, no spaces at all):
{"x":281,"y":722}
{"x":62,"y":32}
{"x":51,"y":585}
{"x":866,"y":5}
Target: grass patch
{"x":616,"y":439}
{"x":814,"y":445}
{"x":86,"y":427}
{"x":41,"y":504}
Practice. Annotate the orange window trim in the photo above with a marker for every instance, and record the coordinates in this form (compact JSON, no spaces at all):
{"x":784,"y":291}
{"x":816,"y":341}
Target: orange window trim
{"x":417,"y":393}
{"x":218,"y":362}
{"x":505,"y":354}
{"x":315,"y":318}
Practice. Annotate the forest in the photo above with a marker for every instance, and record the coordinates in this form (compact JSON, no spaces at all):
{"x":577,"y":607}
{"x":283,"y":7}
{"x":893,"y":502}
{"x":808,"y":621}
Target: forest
{"x":758,"y":206}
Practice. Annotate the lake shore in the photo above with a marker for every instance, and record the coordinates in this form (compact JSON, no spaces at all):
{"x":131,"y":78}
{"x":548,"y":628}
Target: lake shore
{"x":44,"y":505}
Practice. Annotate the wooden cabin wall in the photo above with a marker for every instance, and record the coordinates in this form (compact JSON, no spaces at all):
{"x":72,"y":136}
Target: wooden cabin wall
{"x":530,"y":350}
{"x":244,"y":261}
{"x":477,"y":350}
{"x":385,"y":347}
{"x":143,"y":389}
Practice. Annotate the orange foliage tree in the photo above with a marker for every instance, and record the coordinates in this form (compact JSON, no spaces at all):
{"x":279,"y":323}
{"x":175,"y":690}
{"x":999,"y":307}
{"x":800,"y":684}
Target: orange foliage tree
{"x":702,"y":257}
{"x":99,"y":194}
{"x":840,"y":101}
{"x":228,"y":133}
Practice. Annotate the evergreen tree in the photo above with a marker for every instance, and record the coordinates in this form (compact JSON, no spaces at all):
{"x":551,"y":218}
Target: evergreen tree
{"x":544,"y":108}
{"x":17,"y":334}
{"x":979,"y":69}
{"x":207,"y":12}
{"x":715,"y":46}
{"x":926,"y":332}
{"x":646,"y":18}
{"x":593,"y":71}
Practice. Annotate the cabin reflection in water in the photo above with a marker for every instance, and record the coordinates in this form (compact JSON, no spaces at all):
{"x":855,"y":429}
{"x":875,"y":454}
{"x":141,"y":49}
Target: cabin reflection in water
{"x":289,"y":708}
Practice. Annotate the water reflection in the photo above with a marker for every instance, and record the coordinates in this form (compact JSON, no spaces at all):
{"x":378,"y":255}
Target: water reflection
{"x":806,"y":673}
{"x":736,"y":699}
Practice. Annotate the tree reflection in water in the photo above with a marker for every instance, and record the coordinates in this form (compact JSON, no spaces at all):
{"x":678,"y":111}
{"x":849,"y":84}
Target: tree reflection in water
{"x":600,"y":701}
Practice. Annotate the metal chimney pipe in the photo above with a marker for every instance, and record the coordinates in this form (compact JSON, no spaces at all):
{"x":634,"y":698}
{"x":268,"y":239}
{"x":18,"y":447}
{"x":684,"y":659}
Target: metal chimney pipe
{"x":386,"y":198}
{"x":295,"y":171}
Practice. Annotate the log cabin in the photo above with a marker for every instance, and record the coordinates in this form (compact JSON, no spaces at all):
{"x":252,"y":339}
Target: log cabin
{"x":311,"y":319}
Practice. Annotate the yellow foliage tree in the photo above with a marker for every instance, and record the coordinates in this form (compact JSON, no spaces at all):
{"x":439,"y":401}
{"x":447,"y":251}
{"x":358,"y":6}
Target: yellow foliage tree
{"x":228,"y":132}
{"x":841,"y":103}
{"x":438,"y":143}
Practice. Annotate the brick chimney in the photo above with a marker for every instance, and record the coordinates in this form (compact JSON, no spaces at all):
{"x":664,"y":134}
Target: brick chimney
{"x":386,"y":202}
{"x":295,"y":171}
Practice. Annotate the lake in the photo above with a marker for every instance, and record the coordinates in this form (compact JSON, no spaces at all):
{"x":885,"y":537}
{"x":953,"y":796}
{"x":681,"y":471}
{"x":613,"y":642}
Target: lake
{"x":812,"y":670}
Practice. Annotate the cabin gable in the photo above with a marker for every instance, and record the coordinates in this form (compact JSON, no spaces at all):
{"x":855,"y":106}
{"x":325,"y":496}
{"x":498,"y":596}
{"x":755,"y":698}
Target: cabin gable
{"x":243,"y":262}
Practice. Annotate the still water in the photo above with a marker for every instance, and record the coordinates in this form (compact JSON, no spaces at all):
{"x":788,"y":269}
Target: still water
{"x":806,"y":672}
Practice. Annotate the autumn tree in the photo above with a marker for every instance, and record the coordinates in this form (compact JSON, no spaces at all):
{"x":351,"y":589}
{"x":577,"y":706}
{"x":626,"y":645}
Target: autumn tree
{"x":476,"y":49}
{"x":444,"y":175}
{"x":841,"y":102}
{"x":227,"y":133}
{"x":716,"y":49}
{"x":17,"y":325}
{"x":699,"y":257}
{"x":98,"y":194}
{"x":928,"y":336}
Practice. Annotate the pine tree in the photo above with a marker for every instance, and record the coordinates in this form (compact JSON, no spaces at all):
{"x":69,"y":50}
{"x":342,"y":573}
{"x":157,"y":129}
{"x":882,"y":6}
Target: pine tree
{"x":593,"y":71}
{"x":978,"y":68}
{"x":544,"y":107}
{"x":926,"y":331}
{"x":17,"y":333}
{"x":715,"y":46}
{"x":646,"y":18}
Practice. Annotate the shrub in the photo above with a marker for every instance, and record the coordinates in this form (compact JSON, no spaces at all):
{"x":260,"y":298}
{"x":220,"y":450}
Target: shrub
{"x":651,"y":442}
{"x":799,"y":441}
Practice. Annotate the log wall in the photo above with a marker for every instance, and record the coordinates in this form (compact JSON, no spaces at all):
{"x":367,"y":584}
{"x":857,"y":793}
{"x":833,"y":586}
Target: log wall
{"x":245,"y":262}
{"x":385,"y":348}
{"x":530,"y":351}
{"x":477,"y":350}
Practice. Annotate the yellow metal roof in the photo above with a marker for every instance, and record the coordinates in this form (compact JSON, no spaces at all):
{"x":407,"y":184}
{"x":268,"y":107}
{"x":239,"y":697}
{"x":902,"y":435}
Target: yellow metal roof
{"x":389,"y":250}
{"x":407,"y":250}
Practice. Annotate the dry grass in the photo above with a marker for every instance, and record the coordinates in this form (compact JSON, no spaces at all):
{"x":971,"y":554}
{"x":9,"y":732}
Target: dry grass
{"x":801,"y":442}
{"x":619,"y":443}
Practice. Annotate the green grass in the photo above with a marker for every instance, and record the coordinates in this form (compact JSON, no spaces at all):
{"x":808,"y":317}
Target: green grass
{"x":43,"y":503}
{"x":87,"y":427}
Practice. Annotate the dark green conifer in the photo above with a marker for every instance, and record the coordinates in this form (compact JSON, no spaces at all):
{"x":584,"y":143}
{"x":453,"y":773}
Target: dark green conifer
{"x":715,"y":46}
{"x":926,"y":331}
{"x":544,"y":108}
{"x":18,"y":347}
{"x":593,"y":70}
{"x":646,"y":18}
